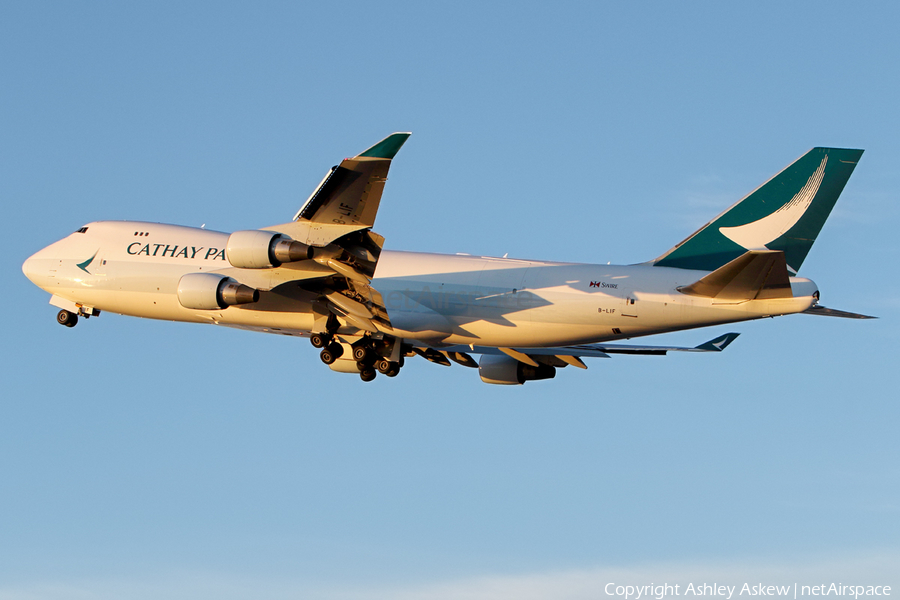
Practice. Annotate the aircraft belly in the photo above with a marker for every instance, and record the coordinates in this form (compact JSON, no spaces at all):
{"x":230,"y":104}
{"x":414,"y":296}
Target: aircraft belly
{"x":296,"y":321}
{"x":150,"y":305}
{"x":165,"y":306}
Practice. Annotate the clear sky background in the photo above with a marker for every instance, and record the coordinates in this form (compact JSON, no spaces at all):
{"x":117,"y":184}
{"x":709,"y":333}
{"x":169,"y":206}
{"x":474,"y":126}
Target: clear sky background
{"x":143,"y":459}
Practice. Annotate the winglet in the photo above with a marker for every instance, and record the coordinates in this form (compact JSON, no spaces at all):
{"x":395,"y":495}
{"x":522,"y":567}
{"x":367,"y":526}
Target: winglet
{"x":388,"y":147}
{"x":718,"y":344}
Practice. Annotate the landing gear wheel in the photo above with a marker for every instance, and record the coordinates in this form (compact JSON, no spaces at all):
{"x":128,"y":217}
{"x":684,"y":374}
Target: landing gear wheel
{"x":331,"y":353}
{"x":64,"y":317}
{"x":367,"y":374}
{"x":320,"y":340}
{"x":361,"y":354}
{"x":327,"y":357}
{"x":383,"y":365}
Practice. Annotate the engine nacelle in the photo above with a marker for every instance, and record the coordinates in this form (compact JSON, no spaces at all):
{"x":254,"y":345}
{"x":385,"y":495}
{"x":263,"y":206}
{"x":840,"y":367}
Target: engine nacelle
{"x":259,"y":249}
{"x":505,"y":370}
{"x":208,"y":291}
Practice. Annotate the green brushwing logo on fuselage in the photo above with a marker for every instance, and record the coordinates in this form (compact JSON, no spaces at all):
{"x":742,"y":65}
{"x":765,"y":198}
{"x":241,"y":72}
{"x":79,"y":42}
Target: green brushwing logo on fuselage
{"x":84,"y":265}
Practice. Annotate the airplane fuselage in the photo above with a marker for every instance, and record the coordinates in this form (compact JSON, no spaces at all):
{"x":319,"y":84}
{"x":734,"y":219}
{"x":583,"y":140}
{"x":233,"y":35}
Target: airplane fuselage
{"x":134,"y":268}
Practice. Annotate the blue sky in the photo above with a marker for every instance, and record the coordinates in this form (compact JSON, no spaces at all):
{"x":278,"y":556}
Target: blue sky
{"x":140,"y":459}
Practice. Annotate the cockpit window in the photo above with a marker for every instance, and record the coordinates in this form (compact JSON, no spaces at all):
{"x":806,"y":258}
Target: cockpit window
{"x":82,"y":230}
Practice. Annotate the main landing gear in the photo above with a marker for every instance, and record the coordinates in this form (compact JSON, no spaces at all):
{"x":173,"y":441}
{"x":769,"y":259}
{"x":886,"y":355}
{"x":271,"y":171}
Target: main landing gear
{"x":368,"y":360}
{"x":331,"y":350}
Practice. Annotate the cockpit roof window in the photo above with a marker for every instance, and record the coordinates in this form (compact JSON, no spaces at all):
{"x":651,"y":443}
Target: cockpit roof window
{"x":82,"y":230}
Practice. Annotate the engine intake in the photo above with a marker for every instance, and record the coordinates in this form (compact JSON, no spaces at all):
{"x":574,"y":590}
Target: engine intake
{"x":257,"y":249}
{"x":208,"y":291}
{"x":505,"y":370}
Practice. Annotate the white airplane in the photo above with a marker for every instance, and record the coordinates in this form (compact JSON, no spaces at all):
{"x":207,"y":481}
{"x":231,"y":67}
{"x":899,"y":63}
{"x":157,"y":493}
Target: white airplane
{"x":324,"y":276}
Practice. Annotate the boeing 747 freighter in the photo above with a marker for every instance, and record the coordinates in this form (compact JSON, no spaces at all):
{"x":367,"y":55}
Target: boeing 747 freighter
{"x":324,"y":276}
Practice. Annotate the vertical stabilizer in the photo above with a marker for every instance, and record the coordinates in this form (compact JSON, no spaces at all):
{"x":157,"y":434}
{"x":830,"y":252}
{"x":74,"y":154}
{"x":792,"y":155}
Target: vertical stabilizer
{"x":784,"y":214}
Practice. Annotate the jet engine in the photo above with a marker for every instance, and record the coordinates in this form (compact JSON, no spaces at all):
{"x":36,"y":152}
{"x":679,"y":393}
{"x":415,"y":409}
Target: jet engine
{"x":208,"y":291}
{"x":505,"y":370}
{"x":259,"y":249}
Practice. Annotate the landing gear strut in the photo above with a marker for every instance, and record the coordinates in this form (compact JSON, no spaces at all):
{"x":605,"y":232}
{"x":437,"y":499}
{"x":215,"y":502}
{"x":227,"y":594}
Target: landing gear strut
{"x":67,"y":318}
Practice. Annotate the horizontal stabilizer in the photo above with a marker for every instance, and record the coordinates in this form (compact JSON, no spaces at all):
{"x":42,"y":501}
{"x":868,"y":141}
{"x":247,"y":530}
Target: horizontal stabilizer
{"x":718,"y":344}
{"x":533,"y":356}
{"x":833,"y":312}
{"x":757,"y":274}
{"x":715,"y":345}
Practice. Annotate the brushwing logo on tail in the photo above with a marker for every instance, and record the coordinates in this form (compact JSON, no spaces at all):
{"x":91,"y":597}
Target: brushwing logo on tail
{"x":785,"y":214}
{"x":756,"y":235}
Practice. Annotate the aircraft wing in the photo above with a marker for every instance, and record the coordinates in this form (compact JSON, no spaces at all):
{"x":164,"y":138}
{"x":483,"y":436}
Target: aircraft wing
{"x":563,"y":355}
{"x":347,"y":199}
{"x":337,"y":221}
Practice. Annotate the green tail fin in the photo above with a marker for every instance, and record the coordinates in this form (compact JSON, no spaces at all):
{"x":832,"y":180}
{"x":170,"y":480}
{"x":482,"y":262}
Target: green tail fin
{"x":786,"y":213}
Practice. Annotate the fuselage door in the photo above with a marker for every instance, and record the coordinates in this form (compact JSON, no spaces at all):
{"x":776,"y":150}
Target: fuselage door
{"x":630,"y":308}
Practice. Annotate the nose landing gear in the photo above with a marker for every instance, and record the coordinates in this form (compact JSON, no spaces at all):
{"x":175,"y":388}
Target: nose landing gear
{"x":70,"y":319}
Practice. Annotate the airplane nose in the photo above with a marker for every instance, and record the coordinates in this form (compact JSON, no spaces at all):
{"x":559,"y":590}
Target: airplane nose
{"x":35,"y":269}
{"x":28,"y":267}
